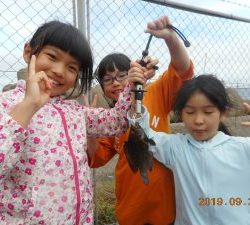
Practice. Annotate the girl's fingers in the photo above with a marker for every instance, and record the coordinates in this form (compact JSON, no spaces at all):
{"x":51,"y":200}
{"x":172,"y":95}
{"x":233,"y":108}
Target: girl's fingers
{"x":137,"y":78}
{"x":152,"y":63}
{"x":85,"y":99}
{"x":94,"y":102}
{"x":32,"y":66}
{"x":246,"y":106}
{"x":160,"y":23}
{"x":38,"y":77}
{"x":138,"y":73}
{"x":48,"y":84}
{"x":135,"y":64}
{"x":43,"y":79}
{"x":135,"y":69}
{"x":142,"y":74}
{"x":246,"y":124}
{"x":149,"y":74}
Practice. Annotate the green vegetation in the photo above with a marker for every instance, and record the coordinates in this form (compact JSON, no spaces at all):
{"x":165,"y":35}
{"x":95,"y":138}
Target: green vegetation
{"x":104,"y":202}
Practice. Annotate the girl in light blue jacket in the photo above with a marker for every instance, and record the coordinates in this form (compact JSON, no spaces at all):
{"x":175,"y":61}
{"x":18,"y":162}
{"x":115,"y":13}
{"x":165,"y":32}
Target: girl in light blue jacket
{"x":211,"y":169}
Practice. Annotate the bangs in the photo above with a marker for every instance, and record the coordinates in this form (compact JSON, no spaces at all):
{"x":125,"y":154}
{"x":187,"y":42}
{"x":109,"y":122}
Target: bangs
{"x":121,"y":62}
{"x":116,"y":60}
{"x":110,"y":62}
{"x":65,"y":37}
{"x":69,"y":40}
{"x":110,"y":66}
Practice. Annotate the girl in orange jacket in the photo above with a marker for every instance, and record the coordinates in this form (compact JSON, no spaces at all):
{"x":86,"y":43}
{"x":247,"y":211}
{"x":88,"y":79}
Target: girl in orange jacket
{"x":136,"y":203}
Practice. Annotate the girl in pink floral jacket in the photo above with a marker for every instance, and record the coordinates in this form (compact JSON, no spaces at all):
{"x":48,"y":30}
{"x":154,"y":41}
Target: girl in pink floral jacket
{"x":44,"y":173}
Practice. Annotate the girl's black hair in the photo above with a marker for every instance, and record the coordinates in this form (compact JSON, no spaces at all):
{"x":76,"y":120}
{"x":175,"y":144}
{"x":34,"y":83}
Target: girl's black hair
{"x":69,"y":39}
{"x":211,"y":87}
{"x":109,"y":63}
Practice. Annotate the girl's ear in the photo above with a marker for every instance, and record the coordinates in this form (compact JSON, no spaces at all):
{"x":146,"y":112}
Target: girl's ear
{"x":27,"y":53}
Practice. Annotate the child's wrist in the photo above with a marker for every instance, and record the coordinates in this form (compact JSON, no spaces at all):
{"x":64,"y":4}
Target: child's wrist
{"x":23,"y":113}
{"x":30,"y":105}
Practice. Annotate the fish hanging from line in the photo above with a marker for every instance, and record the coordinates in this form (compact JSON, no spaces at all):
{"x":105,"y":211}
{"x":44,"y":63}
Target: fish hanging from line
{"x":137,"y":151}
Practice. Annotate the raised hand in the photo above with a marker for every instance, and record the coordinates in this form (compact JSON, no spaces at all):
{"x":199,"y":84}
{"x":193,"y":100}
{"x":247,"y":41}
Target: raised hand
{"x":159,"y":29}
{"x":86,"y":102}
{"x":136,"y":73}
{"x":38,"y":87}
{"x":37,"y":94}
{"x":178,"y":53}
{"x":150,"y":62}
{"x":140,"y":74}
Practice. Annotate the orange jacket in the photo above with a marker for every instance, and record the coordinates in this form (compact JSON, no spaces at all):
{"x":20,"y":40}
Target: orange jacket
{"x":136,"y":203}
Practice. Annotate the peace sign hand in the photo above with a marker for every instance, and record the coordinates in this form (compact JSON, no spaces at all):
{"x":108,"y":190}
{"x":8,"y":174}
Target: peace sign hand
{"x":38,"y":87}
{"x":86,"y":102}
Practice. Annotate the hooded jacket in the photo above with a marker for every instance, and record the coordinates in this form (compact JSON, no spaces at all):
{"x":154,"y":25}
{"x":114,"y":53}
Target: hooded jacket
{"x":212,"y":178}
{"x":44,"y":172}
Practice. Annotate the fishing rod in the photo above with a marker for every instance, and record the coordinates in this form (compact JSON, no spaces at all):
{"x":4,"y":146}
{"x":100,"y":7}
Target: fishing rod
{"x":139,"y":91}
{"x":136,"y":148}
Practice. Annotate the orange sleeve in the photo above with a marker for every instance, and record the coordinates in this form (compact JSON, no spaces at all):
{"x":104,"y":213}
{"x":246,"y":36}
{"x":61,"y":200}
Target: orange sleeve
{"x":168,"y":85}
{"x":104,"y":152}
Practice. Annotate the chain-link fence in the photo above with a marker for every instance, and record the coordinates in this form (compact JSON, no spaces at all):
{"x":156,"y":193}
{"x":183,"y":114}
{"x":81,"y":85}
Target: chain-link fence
{"x":218,"y":45}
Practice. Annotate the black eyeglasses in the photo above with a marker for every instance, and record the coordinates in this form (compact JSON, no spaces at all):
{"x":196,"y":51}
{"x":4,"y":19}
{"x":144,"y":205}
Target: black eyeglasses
{"x":109,"y":79}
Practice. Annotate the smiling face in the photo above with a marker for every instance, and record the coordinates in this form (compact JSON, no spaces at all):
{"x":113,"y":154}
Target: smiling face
{"x":113,"y":89}
{"x":201,"y":117}
{"x":61,"y":68}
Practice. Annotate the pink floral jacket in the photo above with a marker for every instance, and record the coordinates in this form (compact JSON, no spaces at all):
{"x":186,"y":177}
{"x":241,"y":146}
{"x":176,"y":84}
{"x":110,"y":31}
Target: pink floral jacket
{"x":44,"y":172}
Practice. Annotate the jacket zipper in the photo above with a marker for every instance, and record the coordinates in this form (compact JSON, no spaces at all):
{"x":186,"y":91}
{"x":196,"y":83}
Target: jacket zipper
{"x":78,"y":196}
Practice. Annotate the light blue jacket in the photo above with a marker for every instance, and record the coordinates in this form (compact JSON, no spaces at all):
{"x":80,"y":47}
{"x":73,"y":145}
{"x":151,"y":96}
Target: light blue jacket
{"x":218,"y":169}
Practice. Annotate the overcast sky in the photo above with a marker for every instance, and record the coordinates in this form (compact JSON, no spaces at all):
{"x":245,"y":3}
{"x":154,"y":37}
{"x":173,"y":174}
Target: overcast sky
{"x":19,"y":19}
{"x":240,"y":8}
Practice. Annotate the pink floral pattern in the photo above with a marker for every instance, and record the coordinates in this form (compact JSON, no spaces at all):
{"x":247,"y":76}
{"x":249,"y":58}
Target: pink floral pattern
{"x":44,"y":172}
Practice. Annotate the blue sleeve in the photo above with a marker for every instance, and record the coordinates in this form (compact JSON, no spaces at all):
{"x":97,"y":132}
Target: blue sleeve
{"x":163,"y":150}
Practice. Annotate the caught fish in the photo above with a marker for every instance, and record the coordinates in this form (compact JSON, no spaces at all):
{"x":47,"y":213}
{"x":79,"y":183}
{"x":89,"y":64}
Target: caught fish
{"x":137,"y":152}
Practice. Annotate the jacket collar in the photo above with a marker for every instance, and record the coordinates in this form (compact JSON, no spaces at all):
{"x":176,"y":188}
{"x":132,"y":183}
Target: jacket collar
{"x":218,"y":139}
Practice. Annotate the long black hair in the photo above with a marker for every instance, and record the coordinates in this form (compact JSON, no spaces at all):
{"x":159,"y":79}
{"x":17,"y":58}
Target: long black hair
{"x":69,"y":39}
{"x":212,"y":88}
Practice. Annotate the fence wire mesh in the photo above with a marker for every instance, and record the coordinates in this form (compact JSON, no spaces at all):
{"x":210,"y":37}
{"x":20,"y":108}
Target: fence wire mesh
{"x":219,"y":46}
